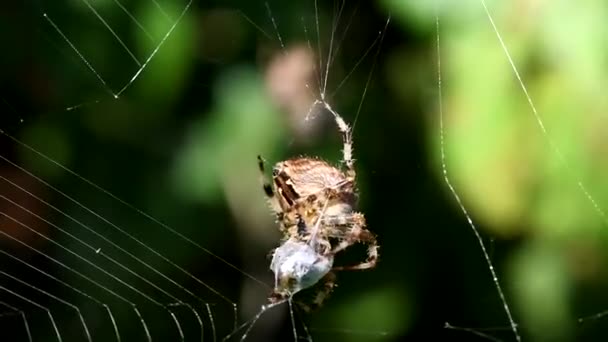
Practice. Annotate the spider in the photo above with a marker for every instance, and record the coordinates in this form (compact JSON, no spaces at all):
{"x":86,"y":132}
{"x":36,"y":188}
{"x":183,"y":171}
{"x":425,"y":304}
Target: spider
{"x":314,"y":206}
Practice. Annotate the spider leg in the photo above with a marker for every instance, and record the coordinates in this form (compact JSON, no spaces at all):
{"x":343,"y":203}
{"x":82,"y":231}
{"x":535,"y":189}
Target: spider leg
{"x":358,"y":234}
{"x":328,"y":283}
{"x":265,"y":183}
{"x":371,"y":262}
{"x":267,"y":186}
{"x":347,"y":151}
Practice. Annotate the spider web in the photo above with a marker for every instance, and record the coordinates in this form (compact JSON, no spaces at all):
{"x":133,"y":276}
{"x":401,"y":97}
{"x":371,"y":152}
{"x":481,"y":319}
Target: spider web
{"x":81,"y":261}
{"x":540,"y":296}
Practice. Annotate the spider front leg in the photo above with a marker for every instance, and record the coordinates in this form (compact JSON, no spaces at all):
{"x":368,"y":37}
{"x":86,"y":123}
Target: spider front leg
{"x":326,"y":285}
{"x":357,"y":233}
{"x":267,"y":186}
{"x":347,"y":139}
{"x":344,"y":128}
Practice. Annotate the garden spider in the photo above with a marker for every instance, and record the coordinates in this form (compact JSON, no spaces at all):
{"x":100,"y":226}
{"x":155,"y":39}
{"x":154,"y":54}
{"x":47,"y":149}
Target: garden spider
{"x":314,"y":205}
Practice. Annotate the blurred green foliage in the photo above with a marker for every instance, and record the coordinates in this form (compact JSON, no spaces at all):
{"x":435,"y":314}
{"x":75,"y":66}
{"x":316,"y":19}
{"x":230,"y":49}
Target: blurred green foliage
{"x":531,"y":171}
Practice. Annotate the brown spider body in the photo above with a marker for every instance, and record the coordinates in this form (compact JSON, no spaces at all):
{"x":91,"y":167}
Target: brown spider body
{"x":310,"y":176}
{"x":315,"y":207}
{"x":302,"y":184}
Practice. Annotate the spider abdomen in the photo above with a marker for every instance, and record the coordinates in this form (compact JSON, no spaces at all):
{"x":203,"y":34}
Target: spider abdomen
{"x":304,"y":177}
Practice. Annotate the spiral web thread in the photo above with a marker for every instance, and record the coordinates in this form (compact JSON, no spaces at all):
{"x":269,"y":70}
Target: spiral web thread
{"x":88,"y":277}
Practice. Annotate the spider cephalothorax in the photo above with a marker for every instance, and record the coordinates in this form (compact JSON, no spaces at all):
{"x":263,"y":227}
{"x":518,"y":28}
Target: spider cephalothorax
{"x":315,"y":207}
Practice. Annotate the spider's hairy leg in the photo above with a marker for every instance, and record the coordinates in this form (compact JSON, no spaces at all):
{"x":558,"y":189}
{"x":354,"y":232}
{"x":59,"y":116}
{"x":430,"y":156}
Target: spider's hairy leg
{"x":372,"y":260}
{"x":358,"y":233}
{"x":329,"y":282}
{"x":267,"y":186}
{"x":344,"y":128}
{"x":347,"y":139}
{"x":265,"y":183}
{"x":327,"y":286}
